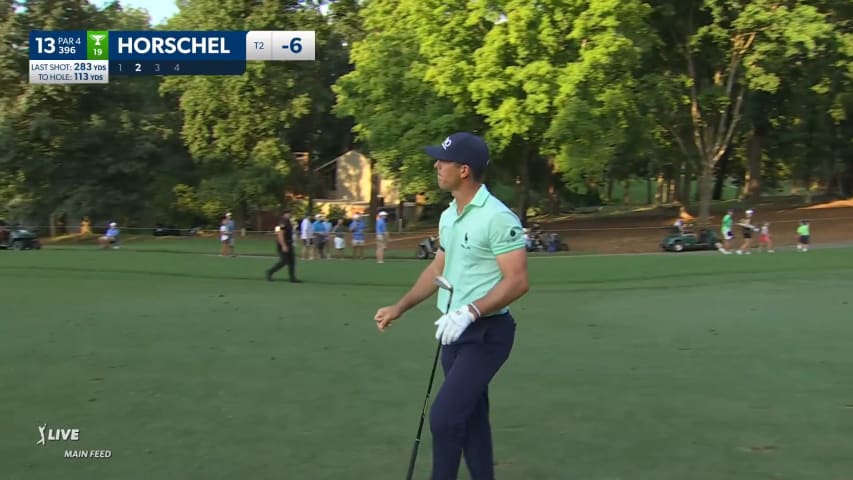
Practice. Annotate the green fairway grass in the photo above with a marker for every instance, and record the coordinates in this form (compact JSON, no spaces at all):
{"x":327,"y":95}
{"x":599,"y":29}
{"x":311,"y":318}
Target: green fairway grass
{"x":650,"y":367}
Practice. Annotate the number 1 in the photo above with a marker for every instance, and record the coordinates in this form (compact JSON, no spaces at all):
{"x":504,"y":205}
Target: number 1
{"x":50,"y":45}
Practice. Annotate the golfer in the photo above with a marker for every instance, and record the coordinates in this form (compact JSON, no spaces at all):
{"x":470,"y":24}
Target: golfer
{"x":482,"y":254}
{"x":284,"y":248}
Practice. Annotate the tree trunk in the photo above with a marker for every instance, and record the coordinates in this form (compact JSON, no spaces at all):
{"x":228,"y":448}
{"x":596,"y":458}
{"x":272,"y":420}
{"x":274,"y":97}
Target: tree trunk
{"x":706,"y":180}
{"x":845,"y":175}
{"x":374,"y":190}
{"x":524,"y":182}
{"x":659,"y":190}
{"x":609,"y":195}
{"x":684,"y":196}
{"x":242,"y":220}
{"x":626,"y":191}
{"x":720,"y":180}
{"x":553,"y":195}
{"x":649,"y":195}
{"x":553,"y":200}
{"x":828,"y":168}
{"x":677,"y":166}
{"x":752,"y":183}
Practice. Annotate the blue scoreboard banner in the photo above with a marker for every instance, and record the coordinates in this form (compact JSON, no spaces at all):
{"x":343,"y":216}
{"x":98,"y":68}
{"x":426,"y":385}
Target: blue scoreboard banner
{"x":92,"y":56}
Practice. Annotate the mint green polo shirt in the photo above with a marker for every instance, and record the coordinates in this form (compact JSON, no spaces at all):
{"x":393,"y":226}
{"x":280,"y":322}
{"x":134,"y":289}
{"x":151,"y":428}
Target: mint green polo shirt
{"x":471,"y":243}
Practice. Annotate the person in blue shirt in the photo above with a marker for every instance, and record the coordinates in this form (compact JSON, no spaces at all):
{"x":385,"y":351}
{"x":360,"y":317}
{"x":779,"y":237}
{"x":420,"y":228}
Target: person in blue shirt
{"x":321,"y":234}
{"x":381,"y":236}
{"x":357,"y":228}
{"x":110,"y":238}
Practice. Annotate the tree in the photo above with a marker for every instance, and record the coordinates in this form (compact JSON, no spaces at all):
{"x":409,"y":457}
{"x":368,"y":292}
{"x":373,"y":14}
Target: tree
{"x":395,"y":110}
{"x":730,"y":48}
{"x":427,"y":68}
{"x":239,"y":128}
{"x":73,"y":150}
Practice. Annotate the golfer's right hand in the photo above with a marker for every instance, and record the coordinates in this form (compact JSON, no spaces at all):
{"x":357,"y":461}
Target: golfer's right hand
{"x":385,"y":316}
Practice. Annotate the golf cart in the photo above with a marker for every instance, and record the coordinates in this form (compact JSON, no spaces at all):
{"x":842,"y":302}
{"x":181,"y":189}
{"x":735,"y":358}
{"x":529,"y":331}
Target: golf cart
{"x":556,"y":244}
{"x":684,"y":239}
{"x":17,"y":238}
{"x":427,"y":248}
{"x":161,"y":230}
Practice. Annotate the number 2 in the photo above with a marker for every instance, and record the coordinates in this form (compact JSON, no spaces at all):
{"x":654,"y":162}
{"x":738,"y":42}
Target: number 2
{"x":138,"y":67}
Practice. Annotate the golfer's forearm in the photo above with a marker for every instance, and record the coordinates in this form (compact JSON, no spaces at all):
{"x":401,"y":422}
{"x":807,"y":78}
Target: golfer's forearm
{"x":424,"y":288}
{"x":504,"y":293}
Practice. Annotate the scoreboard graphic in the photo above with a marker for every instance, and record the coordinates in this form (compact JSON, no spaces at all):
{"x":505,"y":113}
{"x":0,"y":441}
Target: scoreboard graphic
{"x":93,"y":56}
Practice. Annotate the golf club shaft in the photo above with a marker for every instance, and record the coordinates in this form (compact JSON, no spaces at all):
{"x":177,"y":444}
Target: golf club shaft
{"x":423,"y":415}
{"x":426,"y":400}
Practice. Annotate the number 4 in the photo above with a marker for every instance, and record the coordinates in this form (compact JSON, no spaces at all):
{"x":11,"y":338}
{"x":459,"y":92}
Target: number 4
{"x":177,"y":67}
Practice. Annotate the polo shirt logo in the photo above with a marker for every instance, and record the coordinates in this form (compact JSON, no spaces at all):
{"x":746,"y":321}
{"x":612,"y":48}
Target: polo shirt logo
{"x":465,"y":242}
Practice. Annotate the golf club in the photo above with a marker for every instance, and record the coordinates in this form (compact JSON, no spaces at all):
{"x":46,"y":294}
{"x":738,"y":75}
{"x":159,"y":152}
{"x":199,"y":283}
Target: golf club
{"x":443,"y":284}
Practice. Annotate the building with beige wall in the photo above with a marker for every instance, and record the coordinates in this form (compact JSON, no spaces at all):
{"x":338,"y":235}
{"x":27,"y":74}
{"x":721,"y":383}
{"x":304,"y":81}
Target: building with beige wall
{"x":346,"y":182}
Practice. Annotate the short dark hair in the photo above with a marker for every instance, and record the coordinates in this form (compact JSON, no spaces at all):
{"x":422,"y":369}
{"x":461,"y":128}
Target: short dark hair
{"x":478,"y":174}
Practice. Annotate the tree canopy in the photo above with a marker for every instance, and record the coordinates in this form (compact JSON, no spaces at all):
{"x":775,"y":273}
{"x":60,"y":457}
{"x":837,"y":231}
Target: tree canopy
{"x":571,"y":95}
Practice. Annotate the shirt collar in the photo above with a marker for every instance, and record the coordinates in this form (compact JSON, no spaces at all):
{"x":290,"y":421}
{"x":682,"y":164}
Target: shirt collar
{"x":479,"y":198}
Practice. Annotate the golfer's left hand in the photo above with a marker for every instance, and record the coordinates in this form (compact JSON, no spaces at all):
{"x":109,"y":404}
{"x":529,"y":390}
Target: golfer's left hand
{"x":450,"y":326}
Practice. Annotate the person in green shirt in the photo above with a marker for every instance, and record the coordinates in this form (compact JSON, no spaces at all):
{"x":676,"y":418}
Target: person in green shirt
{"x":482,"y":253}
{"x":803,"y":232}
{"x":726,"y":230}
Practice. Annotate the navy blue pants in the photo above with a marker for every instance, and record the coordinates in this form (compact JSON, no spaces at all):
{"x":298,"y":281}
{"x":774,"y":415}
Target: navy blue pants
{"x":459,"y":419}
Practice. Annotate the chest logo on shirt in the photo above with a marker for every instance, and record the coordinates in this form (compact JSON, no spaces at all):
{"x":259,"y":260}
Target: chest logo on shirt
{"x":465,"y":242}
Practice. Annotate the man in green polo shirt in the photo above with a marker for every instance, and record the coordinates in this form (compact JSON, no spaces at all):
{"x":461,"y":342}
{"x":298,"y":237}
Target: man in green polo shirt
{"x":726,"y":230}
{"x":482,"y":253}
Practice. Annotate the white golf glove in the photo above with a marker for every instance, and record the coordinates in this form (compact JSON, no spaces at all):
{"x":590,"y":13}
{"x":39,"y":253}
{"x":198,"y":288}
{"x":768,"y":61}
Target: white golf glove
{"x":450,"y":326}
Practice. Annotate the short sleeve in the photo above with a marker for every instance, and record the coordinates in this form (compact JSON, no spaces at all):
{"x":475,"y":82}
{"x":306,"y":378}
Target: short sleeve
{"x":277,"y":228}
{"x":443,"y":233}
{"x":505,"y":233}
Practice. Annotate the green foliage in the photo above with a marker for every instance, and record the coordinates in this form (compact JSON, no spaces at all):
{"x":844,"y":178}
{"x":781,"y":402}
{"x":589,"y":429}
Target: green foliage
{"x":604,"y":89}
{"x":336,"y":212}
{"x":103,"y":152}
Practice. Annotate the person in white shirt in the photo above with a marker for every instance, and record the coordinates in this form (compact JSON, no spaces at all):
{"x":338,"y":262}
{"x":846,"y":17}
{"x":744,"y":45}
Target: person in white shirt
{"x":224,"y":237}
{"x":306,"y":232}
